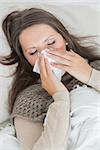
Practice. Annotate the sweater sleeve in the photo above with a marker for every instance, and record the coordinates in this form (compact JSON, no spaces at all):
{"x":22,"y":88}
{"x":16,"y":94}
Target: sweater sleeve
{"x":56,"y":124}
{"x":94,"y":80}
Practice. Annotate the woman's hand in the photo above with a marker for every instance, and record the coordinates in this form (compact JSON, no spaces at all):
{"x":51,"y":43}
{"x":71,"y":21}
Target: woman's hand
{"x":49,"y":81}
{"x":72,"y":63}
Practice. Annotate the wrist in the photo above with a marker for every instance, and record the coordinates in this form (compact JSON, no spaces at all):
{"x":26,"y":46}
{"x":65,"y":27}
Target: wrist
{"x":89,"y":76}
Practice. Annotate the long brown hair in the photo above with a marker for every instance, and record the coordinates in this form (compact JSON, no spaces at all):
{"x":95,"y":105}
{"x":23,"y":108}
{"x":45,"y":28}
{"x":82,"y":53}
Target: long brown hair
{"x":13,"y":24}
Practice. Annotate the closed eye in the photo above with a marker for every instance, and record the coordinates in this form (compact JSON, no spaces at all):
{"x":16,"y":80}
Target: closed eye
{"x":53,"y":42}
{"x":33,"y":53}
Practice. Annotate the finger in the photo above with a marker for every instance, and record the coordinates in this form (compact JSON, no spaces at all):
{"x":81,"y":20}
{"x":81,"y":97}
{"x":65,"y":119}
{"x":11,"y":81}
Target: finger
{"x":74,"y":53}
{"x":63,"y":67}
{"x":61,"y":53}
{"x":61,"y":60}
{"x":48,"y":67}
{"x":42,"y":66}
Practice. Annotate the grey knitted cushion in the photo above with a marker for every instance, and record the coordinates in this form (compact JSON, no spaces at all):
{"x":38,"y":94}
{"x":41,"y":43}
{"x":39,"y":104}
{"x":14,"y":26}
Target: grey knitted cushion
{"x":32,"y":103}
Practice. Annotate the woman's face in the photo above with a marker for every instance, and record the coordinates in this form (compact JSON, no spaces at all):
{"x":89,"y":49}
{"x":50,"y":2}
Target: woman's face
{"x":36,"y":38}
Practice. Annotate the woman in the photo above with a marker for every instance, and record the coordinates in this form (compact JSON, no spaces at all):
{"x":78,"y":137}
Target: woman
{"x":41,"y":108}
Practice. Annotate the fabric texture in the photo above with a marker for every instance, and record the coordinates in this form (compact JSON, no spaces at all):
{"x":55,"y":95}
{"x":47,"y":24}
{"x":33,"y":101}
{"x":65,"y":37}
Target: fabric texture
{"x":32,"y":103}
{"x":85,"y":118}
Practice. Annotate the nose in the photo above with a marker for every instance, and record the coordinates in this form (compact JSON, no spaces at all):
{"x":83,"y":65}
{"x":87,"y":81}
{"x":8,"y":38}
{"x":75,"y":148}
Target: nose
{"x":42,"y":47}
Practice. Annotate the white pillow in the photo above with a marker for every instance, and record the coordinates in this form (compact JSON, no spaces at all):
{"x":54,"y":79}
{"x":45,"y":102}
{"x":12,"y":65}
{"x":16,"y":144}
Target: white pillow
{"x":7,"y":136}
{"x":80,"y":19}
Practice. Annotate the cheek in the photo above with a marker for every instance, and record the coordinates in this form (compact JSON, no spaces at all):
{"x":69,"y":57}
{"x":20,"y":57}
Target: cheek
{"x":31,"y":59}
{"x":61,"y":46}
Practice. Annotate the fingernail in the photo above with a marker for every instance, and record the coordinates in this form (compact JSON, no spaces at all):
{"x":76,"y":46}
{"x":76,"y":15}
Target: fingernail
{"x":38,"y":54}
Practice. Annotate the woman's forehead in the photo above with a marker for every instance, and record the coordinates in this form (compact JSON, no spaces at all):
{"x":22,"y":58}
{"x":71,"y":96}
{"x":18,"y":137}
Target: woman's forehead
{"x":35,"y":34}
{"x":40,"y":29}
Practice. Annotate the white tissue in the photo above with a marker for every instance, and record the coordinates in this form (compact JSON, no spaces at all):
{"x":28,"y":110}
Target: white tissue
{"x":58,"y":72}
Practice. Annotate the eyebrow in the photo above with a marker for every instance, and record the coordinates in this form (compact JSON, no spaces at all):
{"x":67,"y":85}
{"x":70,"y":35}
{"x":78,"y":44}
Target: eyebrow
{"x":43,"y":41}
